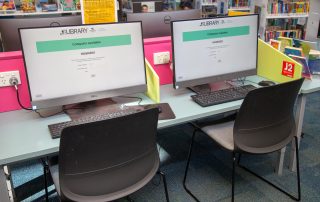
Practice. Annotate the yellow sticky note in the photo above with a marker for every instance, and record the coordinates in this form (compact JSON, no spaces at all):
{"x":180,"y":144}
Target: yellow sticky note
{"x":153,"y":83}
{"x":96,"y":11}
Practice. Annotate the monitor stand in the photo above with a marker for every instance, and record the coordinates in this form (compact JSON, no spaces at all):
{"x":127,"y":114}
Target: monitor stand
{"x":90,"y":108}
{"x":209,"y":87}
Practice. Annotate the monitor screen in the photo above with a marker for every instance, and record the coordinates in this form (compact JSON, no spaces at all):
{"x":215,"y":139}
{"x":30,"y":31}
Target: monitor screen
{"x":216,"y":49}
{"x":74,"y":64}
{"x":158,"y":24}
{"x":9,"y":27}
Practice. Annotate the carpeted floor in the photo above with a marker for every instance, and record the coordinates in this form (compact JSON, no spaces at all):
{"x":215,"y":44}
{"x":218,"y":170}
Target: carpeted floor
{"x":210,"y":169}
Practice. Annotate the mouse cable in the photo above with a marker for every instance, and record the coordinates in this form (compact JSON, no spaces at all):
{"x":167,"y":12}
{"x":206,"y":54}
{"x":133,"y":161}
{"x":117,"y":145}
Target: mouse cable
{"x":134,"y":97}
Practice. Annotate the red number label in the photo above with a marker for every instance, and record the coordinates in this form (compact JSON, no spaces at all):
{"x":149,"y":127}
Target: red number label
{"x":288,"y":69}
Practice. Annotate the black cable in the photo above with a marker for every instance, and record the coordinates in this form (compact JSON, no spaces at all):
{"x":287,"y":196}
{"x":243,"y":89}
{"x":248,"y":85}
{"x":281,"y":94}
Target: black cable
{"x":18,"y":98}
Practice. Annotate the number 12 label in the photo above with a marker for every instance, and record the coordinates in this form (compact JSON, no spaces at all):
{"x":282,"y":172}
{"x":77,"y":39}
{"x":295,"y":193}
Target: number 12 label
{"x":288,"y":69}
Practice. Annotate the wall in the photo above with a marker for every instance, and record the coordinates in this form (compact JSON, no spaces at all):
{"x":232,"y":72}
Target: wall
{"x":10,"y":61}
{"x":160,"y":44}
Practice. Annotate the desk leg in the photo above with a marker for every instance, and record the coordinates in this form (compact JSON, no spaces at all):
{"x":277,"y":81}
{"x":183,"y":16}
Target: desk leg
{"x":4,"y":193}
{"x":301,"y":104}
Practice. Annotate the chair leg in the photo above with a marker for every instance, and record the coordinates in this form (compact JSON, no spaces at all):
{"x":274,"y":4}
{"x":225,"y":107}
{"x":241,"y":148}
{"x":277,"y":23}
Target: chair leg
{"x":187,"y":167}
{"x":233,"y":173}
{"x":165,"y":185}
{"x":298,"y":169}
{"x":277,"y":187}
{"x":45,"y":175}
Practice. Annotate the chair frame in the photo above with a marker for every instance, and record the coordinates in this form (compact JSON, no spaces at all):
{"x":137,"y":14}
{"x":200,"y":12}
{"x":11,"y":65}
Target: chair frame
{"x":234,"y":163}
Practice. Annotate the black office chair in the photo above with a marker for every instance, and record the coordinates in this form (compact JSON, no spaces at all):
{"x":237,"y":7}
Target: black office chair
{"x":107,"y":160}
{"x":264,"y":124}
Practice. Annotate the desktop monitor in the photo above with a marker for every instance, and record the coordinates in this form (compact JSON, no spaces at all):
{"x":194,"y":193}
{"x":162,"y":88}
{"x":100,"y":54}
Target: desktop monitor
{"x":145,"y":6}
{"x":158,"y":24}
{"x":216,"y":49}
{"x":75,"y":64}
{"x":9,"y":27}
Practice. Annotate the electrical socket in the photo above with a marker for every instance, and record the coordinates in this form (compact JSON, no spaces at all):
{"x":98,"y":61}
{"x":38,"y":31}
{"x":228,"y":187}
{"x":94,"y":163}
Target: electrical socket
{"x":161,"y":58}
{"x":5,"y":78}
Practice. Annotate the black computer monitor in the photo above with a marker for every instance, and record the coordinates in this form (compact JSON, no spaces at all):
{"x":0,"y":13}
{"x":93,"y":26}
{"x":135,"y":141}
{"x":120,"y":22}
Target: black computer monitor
{"x":158,"y":24}
{"x":74,"y":64}
{"x":9,"y":27}
{"x":145,"y":6}
{"x":216,"y":49}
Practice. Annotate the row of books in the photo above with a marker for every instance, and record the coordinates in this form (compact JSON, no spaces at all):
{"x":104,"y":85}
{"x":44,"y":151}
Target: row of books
{"x":288,"y":7}
{"x":302,"y":51}
{"x":283,"y":23}
{"x":29,"y":6}
{"x":239,"y":3}
{"x":283,"y":33}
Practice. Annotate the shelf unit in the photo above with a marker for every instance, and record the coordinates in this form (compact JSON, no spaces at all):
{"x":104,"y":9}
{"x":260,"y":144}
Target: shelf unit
{"x":241,"y":5}
{"x":286,"y":18}
{"x":211,"y":7}
{"x":20,"y":13}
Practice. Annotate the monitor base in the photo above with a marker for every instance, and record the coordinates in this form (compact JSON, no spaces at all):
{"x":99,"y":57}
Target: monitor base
{"x":209,"y":87}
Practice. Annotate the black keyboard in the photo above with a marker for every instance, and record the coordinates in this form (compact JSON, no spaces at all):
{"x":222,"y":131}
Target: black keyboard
{"x":222,"y":96}
{"x":56,"y":129}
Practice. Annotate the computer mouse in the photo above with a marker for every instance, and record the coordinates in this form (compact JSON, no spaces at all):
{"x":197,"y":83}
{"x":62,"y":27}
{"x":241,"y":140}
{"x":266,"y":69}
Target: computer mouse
{"x":266,"y":83}
{"x":159,"y":109}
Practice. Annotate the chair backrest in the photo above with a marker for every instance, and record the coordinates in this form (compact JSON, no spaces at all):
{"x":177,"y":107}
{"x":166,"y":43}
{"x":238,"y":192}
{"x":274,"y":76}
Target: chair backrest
{"x":106,"y":160}
{"x":265,"y":122}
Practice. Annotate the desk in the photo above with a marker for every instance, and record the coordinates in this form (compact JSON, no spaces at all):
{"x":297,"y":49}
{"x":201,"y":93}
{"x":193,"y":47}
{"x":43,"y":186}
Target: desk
{"x":24,"y":135}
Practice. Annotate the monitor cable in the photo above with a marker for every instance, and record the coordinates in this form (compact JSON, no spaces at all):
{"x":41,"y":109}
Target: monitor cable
{"x":14,"y":81}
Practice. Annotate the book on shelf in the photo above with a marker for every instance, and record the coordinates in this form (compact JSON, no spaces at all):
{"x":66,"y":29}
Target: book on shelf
{"x":275,"y":44}
{"x":314,"y":61}
{"x":288,"y":50}
{"x":28,"y":6}
{"x":305,"y":45}
{"x":7,"y":5}
{"x":306,"y":73}
{"x":287,"y":7}
{"x":70,"y":5}
{"x":239,"y":3}
{"x":275,"y":34}
{"x":285,"y":41}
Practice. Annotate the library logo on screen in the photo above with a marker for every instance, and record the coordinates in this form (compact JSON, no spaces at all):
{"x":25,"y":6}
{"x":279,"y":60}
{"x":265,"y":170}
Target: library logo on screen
{"x":209,"y":23}
{"x":82,"y":30}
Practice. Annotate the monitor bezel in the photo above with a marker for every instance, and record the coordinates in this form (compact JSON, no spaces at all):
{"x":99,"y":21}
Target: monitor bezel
{"x":216,"y":78}
{"x":84,"y":97}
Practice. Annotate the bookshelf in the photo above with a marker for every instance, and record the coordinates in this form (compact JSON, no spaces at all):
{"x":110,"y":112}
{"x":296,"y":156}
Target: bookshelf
{"x":240,"y":5}
{"x":40,"y":7}
{"x":282,"y":18}
{"x":211,"y":8}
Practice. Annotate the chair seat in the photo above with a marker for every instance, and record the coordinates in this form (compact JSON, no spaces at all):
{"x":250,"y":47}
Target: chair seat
{"x":221,"y":133}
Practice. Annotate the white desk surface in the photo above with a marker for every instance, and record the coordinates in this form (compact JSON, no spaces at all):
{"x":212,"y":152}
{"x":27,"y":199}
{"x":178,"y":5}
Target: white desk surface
{"x":24,"y":135}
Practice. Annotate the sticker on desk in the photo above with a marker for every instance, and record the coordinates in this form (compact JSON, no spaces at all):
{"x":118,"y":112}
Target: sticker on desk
{"x":288,"y":69}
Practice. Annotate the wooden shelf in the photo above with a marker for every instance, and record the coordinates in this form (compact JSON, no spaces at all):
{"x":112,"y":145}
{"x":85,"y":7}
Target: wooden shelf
{"x":287,"y":15}
{"x":246,"y":8}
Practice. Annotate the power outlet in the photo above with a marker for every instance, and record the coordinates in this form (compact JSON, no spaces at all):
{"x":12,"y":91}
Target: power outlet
{"x":161,"y":58}
{"x":6,"y":76}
